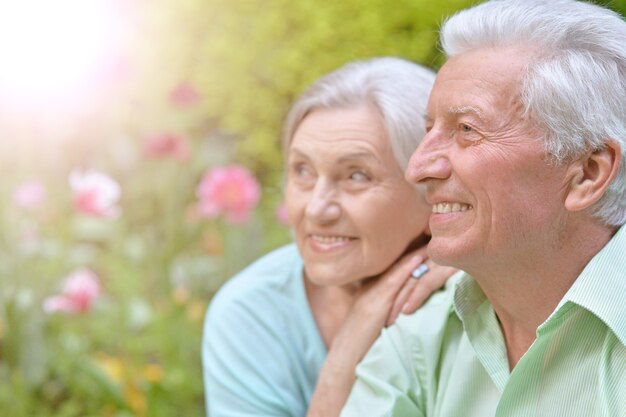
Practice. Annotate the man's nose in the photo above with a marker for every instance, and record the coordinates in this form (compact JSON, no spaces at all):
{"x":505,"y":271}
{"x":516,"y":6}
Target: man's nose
{"x":430,"y":160}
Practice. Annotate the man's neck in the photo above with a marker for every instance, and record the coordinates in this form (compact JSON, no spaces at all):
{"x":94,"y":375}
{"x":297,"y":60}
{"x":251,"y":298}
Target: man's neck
{"x":529,"y":287}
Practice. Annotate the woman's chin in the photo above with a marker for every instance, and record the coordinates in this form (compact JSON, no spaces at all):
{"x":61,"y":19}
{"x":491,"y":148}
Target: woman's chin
{"x":325,"y":278}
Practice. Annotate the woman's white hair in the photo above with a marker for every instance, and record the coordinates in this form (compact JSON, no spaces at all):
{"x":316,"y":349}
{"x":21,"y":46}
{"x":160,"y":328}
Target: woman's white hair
{"x":398,"y":88}
{"x":575,"y":86}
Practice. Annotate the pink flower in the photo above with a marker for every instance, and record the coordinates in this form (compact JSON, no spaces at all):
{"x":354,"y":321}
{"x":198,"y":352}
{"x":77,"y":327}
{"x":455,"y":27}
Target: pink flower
{"x":95,"y":194}
{"x":80,"y":290}
{"x":184,"y":95}
{"x":29,"y":195}
{"x":282,"y":215}
{"x":229,"y":189}
{"x":167,"y":144}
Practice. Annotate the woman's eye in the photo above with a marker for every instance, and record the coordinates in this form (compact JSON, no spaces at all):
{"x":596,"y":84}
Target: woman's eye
{"x":301,"y":170}
{"x":466,"y":128}
{"x":359,"y":176}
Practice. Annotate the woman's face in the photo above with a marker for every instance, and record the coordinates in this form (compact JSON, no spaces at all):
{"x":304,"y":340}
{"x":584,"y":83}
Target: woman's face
{"x":352,"y":211}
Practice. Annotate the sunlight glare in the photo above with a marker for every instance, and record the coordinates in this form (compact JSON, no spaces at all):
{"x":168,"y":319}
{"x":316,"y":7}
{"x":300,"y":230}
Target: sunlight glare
{"x":51,"y":50}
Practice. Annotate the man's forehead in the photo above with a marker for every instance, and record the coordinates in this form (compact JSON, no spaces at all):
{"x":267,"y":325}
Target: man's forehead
{"x":495,"y":64}
{"x":475,"y":81}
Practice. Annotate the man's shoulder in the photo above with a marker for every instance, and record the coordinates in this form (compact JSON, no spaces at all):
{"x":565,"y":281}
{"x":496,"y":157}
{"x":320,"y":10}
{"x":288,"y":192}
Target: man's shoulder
{"x":427,"y":327}
{"x":601,"y":286}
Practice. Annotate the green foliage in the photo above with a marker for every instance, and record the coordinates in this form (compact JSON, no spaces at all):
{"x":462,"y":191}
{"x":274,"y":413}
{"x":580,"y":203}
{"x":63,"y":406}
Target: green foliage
{"x":251,"y":58}
{"x":255,"y":57}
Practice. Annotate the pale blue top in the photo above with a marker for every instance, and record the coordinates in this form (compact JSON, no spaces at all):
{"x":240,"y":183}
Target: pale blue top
{"x":262,"y":351}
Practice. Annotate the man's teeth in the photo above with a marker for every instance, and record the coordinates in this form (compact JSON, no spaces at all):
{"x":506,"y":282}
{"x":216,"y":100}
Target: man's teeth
{"x":329,"y":239}
{"x":450,"y":207}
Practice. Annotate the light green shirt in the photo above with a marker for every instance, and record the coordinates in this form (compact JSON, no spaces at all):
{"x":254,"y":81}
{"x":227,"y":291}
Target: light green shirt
{"x":449,"y":359}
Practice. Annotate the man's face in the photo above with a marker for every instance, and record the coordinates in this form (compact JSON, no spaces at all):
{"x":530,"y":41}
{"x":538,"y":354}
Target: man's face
{"x":496,"y":198}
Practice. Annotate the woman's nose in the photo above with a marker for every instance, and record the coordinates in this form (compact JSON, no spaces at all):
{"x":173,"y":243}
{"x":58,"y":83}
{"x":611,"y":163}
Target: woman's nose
{"x":323,"y":206}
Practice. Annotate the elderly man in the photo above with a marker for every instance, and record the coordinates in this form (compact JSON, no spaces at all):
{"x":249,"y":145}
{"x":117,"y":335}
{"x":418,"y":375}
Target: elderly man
{"x":524,"y":165}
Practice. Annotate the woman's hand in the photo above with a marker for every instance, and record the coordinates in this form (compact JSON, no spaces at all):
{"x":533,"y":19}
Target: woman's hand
{"x":378,"y":303}
{"x":416,"y":291}
{"x":380,"y":300}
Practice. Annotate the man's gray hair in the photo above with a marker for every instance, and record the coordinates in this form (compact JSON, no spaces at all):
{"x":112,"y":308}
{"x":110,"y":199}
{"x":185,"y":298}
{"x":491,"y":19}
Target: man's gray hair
{"x":575,"y":85}
{"x":398,"y":88}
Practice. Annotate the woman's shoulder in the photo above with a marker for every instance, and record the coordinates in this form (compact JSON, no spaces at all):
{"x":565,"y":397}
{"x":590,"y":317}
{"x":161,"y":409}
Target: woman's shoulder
{"x":271,"y":279}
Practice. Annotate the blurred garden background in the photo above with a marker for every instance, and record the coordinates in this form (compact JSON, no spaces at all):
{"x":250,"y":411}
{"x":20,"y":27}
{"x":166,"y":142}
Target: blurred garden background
{"x":140,"y":169}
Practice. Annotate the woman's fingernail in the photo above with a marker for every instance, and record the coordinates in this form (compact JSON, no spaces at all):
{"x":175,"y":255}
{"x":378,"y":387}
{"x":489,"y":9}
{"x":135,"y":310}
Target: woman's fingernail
{"x":405,"y":308}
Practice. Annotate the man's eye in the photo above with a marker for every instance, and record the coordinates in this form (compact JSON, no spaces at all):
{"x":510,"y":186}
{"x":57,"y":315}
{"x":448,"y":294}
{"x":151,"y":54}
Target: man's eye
{"x":468,"y":133}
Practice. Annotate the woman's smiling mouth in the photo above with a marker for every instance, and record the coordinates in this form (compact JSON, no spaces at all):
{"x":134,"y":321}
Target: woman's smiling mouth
{"x":327,"y":243}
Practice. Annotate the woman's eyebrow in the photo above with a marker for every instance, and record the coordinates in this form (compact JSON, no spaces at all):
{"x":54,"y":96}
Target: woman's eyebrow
{"x":357,"y":156}
{"x":351,"y":157}
{"x":297,"y":152}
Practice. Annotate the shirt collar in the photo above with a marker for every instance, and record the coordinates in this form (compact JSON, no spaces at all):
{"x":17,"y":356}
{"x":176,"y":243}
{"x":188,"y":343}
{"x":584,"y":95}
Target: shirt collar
{"x":601,"y":287}
{"x":468,"y":296}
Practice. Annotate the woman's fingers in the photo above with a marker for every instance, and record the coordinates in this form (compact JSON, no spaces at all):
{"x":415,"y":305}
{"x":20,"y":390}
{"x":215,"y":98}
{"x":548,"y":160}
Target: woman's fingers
{"x":417,"y":290}
{"x":430,"y":282}
{"x":387,"y":285}
{"x":381,"y":294}
{"x":400,"y":300}
{"x":404,"y":276}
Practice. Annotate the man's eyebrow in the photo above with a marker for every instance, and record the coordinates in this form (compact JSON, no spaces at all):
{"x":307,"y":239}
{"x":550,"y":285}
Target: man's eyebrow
{"x":466,"y":110}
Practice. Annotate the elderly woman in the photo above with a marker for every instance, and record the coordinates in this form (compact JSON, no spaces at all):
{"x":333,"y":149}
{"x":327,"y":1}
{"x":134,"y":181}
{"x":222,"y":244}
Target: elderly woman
{"x":283,"y":337}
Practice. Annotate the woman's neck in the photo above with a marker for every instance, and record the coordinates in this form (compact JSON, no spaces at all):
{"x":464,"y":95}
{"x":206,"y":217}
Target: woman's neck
{"x":330,"y":306}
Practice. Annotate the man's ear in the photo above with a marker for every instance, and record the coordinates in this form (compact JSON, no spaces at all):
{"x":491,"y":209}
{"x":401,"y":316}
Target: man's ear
{"x":592,"y":175}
